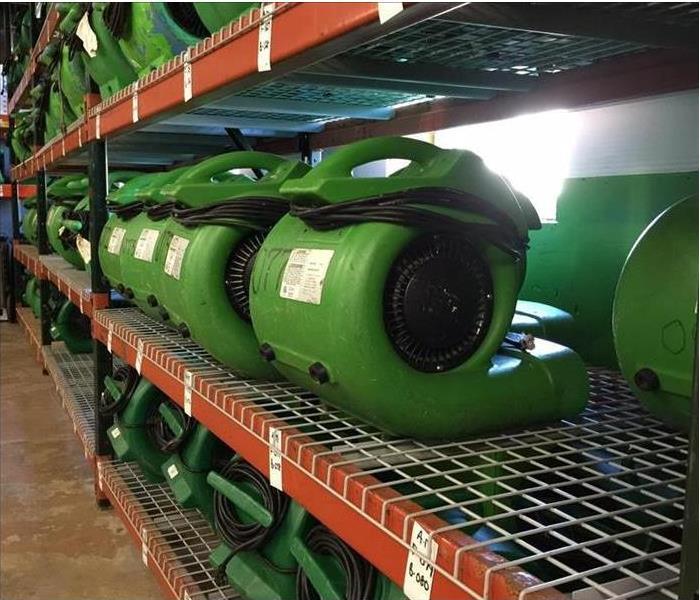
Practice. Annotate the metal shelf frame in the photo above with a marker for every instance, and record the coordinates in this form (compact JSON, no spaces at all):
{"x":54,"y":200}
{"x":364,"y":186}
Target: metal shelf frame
{"x":591,"y":507}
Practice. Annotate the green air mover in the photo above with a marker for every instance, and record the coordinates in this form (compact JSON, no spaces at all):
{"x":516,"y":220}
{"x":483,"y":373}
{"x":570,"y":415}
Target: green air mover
{"x":392,"y":297}
{"x":31,"y":296}
{"x":257,"y":524}
{"x":108,"y":68}
{"x":655,"y":314}
{"x":216,"y":15}
{"x":148,"y":427}
{"x":70,"y":67}
{"x":29,"y":221}
{"x":329,"y":568}
{"x":186,"y":472}
{"x":69,"y":220}
{"x":65,"y":194}
{"x":72,"y":328}
{"x":58,"y":113}
{"x":207,"y":250}
{"x":131,"y":236}
{"x":151,"y":33}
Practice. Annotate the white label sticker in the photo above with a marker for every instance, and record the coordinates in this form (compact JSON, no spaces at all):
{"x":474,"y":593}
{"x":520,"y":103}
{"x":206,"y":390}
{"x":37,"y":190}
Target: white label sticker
{"x":81,"y":303}
{"x":135,"y":103}
{"x":187,"y":76}
{"x":418,"y":578}
{"x":100,"y":482}
{"x":146,"y":245}
{"x":87,"y":36}
{"x":144,"y":546}
{"x":186,"y":596}
{"x":304,"y":275}
{"x":115,"y":240}
{"x":187,"y":398}
{"x":173,"y":472}
{"x":97,"y":126}
{"x":139,"y":356}
{"x":275,"y":440}
{"x":265,"y":36}
{"x":84,"y":249}
{"x":116,"y":433}
{"x":387,"y":10}
{"x":110,"y":332}
{"x":176,"y":252}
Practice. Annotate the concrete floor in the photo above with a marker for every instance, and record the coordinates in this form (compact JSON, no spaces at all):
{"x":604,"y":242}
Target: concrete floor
{"x":55,"y":543}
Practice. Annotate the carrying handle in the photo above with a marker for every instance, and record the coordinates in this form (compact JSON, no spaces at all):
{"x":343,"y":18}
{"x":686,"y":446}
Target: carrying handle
{"x":241,"y":498}
{"x":111,"y":386}
{"x":204,"y":171}
{"x":342,"y":163}
{"x":170,"y":415}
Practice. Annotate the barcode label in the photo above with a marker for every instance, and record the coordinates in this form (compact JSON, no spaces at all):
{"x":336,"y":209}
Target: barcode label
{"x":114,"y":245}
{"x":144,"y":546}
{"x":388,"y":10}
{"x":176,"y":254}
{"x":265,"y":36}
{"x":116,"y":433}
{"x":275,"y":440}
{"x":187,"y":398}
{"x":110,"y":333}
{"x":187,"y":76}
{"x":173,"y":472}
{"x":418,"y":578}
{"x":146,"y":245}
{"x":305,"y":274}
{"x":135,"y":103}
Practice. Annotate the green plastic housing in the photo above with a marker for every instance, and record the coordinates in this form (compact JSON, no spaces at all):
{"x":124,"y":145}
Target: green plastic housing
{"x":72,"y":328}
{"x":194,"y":295}
{"x":655,"y":314}
{"x":494,"y":389}
{"x":128,"y":435}
{"x":216,"y":15}
{"x":543,"y":321}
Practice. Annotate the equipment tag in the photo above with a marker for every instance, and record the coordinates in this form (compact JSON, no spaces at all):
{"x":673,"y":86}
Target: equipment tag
{"x":146,"y":244}
{"x":97,"y":126}
{"x":187,"y":399}
{"x":265,"y":35}
{"x":144,"y":545}
{"x":173,"y":472}
{"x":139,"y":356}
{"x":176,"y":252}
{"x":110,"y":332}
{"x":418,"y":579}
{"x":83,"y":247}
{"x":114,"y":245}
{"x":275,"y":440}
{"x":87,"y":36}
{"x":100,"y":482}
{"x":116,"y":433}
{"x":304,"y":275}
{"x":387,"y":10}
{"x":135,"y":103}
{"x":187,"y":76}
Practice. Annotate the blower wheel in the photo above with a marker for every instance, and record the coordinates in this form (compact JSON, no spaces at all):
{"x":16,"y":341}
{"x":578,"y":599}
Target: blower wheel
{"x":239,"y":269}
{"x":185,"y":15}
{"x":359,"y":574}
{"x":161,"y":435}
{"x":438,"y":302}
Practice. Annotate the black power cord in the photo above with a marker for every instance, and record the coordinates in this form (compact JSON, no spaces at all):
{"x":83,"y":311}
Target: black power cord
{"x":359,"y":573}
{"x":239,"y":536}
{"x":163,"y":210}
{"x":126,"y":211}
{"x":416,"y":208}
{"x":161,"y":436}
{"x":254,"y":213}
{"x":109,"y":405}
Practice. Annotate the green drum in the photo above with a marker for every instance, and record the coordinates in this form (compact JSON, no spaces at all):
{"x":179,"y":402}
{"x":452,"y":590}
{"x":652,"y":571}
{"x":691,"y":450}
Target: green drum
{"x":148,"y":427}
{"x":392,"y":297}
{"x":29,"y":222}
{"x":207,"y":249}
{"x":655,"y":314}
{"x":72,"y":328}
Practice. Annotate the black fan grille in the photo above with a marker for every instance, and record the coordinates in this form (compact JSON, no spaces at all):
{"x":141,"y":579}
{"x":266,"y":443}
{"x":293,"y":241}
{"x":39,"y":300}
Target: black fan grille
{"x":185,"y":15}
{"x":438,"y":302}
{"x":239,"y":268}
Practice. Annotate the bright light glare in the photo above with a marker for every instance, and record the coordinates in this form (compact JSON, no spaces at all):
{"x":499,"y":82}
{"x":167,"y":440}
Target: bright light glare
{"x":532,"y":151}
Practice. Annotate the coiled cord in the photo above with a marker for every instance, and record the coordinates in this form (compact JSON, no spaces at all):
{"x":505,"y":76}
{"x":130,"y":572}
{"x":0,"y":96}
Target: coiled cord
{"x":129,"y":376}
{"x":239,"y":536}
{"x":161,"y":435}
{"x":163,"y":210}
{"x":359,"y":573}
{"x":255,"y":213}
{"x":126,"y":211}
{"x":415,"y":208}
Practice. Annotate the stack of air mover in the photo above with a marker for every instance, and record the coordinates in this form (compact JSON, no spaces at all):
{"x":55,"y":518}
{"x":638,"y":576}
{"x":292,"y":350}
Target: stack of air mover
{"x":68,"y":325}
{"x":655,"y":314}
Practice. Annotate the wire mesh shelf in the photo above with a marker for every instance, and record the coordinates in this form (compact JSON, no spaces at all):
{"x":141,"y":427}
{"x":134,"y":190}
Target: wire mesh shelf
{"x":591,"y":507}
{"x":73,"y":376}
{"x":175,"y":542}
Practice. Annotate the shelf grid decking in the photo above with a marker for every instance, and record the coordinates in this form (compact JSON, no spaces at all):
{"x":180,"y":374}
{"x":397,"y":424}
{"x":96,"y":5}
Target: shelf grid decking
{"x":175,"y":543}
{"x":592,"y":505}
